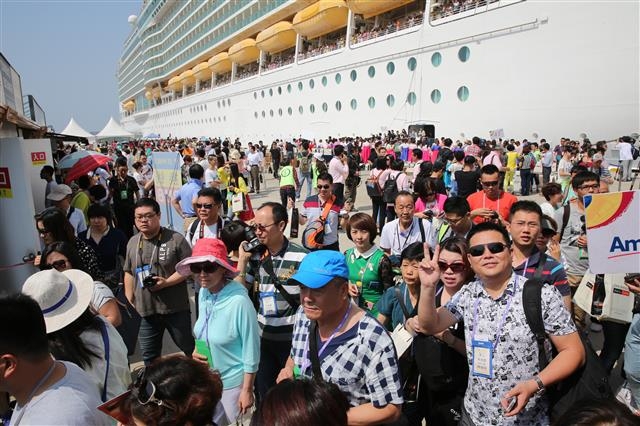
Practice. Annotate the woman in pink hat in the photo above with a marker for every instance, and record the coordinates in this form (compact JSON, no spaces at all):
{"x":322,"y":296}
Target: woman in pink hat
{"x":227,"y":336}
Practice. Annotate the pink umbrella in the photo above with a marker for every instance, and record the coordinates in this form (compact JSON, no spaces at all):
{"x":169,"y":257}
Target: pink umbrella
{"x":85,"y":165}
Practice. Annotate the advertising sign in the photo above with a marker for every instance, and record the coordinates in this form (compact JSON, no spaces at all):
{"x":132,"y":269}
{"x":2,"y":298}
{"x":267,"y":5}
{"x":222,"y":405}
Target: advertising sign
{"x":167,"y":179}
{"x":613,"y":232}
{"x":5,"y":183}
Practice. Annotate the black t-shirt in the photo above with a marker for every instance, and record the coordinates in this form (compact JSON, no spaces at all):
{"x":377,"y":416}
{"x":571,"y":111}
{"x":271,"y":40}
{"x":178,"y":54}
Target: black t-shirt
{"x":439,"y":184}
{"x":123,"y":191}
{"x":467,"y":182}
{"x":275,"y":154}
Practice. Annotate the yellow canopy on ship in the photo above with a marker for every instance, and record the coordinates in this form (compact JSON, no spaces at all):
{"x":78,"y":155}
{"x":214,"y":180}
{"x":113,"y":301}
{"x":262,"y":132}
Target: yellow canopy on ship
{"x":244,"y":52}
{"x":129,"y":105}
{"x":174,"y":83}
{"x":220,"y":63}
{"x":321,"y":18}
{"x":157,"y":92}
{"x":187,"y":78}
{"x":277,"y":37}
{"x":369,"y":8}
{"x":148,"y":95}
{"x":202,"y":71}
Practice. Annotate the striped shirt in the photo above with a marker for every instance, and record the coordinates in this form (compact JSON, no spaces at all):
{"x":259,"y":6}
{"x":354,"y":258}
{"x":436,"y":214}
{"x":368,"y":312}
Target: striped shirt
{"x":552,"y":272}
{"x":312,"y":210}
{"x":277,"y":327}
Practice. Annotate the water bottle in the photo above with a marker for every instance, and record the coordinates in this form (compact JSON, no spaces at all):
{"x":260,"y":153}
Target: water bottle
{"x":598,"y":295}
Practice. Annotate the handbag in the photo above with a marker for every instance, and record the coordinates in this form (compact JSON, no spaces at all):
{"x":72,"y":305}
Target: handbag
{"x":238,"y":202}
{"x":617,"y":305}
{"x":131,"y":319}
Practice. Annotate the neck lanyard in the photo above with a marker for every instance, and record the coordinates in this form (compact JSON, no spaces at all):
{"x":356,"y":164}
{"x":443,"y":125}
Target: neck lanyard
{"x":218,"y":227}
{"x":33,"y":392}
{"x":502,"y":319}
{"x":306,"y":362}
{"x":366,"y":265}
{"x":408,"y":234}
{"x":208,"y":314}
{"x":153,"y":253}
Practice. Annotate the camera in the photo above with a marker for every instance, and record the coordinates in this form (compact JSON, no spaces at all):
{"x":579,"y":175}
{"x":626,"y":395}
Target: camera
{"x":428,"y":213}
{"x":238,"y":232}
{"x":149,"y":281}
{"x":494,"y":215}
{"x":251,"y":243}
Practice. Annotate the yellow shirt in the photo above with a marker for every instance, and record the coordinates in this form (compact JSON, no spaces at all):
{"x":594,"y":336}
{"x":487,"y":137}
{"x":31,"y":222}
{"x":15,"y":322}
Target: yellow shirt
{"x":512,"y":156}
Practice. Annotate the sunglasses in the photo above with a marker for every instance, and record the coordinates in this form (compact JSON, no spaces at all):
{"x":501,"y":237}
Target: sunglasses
{"x":204,"y":206}
{"x":456,"y":268}
{"x":323,"y":186}
{"x":146,"y":390}
{"x":262,"y":228}
{"x":57,"y":265}
{"x":206,"y":267}
{"x":494,"y":248}
{"x":490,"y":183}
{"x":42,"y":231}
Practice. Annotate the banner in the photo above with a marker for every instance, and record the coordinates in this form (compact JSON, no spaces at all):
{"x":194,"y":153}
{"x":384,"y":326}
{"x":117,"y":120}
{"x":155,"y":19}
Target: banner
{"x":167,"y":179}
{"x":613,"y":232}
{"x":37,"y":155}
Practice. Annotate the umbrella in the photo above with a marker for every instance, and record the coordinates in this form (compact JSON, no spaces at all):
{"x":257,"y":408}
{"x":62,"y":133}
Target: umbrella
{"x":68,"y":161}
{"x":85,"y":165}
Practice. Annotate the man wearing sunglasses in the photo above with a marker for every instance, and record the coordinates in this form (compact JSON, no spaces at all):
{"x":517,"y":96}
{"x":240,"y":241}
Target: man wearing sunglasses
{"x":183,"y":199}
{"x":504,"y":384}
{"x":492,"y":203}
{"x":209,"y":222}
{"x":277,"y":304}
{"x":525,"y":223}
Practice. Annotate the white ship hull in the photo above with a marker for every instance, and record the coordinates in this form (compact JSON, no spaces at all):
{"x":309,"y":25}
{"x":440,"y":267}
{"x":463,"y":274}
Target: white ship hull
{"x":550,"y":68}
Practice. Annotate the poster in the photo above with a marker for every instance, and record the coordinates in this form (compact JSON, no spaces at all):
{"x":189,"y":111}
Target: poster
{"x":613,"y":232}
{"x":167,"y":179}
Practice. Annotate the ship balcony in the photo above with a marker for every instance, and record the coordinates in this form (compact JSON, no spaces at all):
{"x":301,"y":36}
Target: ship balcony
{"x":365,"y":33}
{"x":446,"y":10}
{"x":246,"y":71}
{"x":278,"y":60}
{"x":322,"y":45}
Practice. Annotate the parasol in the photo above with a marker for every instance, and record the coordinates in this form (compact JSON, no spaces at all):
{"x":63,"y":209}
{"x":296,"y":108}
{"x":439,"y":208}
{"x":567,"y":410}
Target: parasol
{"x":68,"y":161}
{"x":85,"y":165}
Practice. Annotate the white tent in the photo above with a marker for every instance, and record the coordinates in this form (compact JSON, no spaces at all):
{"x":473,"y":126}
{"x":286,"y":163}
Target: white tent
{"x":113,"y":130}
{"x":74,"y":129}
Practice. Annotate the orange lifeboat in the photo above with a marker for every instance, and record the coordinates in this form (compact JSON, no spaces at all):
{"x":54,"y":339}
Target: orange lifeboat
{"x":244,"y":52}
{"x":157,"y":92}
{"x":369,"y":8}
{"x":321,"y":18}
{"x":187,"y":78}
{"x":174,"y":83}
{"x":201,"y":71}
{"x":220,"y":63}
{"x":148,"y":95}
{"x":129,"y":105}
{"x":277,"y":37}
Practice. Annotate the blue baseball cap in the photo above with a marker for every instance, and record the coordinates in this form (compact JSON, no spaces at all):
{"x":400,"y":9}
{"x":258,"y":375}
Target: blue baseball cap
{"x":319,"y":267}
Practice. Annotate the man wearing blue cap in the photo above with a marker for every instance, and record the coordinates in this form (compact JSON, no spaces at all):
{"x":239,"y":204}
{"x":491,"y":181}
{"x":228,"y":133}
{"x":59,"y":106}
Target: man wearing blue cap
{"x":336,"y":341}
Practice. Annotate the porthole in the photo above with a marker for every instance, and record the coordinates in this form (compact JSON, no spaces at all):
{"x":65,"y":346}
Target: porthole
{"x":311,"y":84}
{"x":224,"y":118}
{"x":391,"y":68}
{"x":263,"y":114}
{"x":338,"y":105}
{"x":280,"y":112}
{"x":391,"y":100}
{"x":228,"y":103}
{"x":300,"y":86}
{"x":312,"y":108}
{"x":338,"y":78}
{"x":324,"y":80}
{"x":372,"y":102}
{"x":464,"y":53}
{"x":411,"y":98}
{"x":412,"y":63}
{"x":271,"y":113}
{"x":255,"y":95}
{"x":279,"y":90}
{"x":255,"y":114}
{"x":300,"y":109}
{"x":219,"y":103}
{"x":289,"y":88}
{"x":463,"y":93}
{"x":325,"y":107}
{"x":353,"y":75}
{"x":436,"y":96}
{"x":270,"y":92}
{"x":354,"y":104}
{"x":372,"y":71}
{"x":262,"y":93}
{"x":436,"y":59}
{"x":289,"y":111}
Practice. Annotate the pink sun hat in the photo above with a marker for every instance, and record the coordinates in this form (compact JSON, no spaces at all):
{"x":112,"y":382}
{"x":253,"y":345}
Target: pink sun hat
{"x":207,"y":250}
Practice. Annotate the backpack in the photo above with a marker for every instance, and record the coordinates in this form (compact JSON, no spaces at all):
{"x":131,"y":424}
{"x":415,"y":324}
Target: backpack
{"x":373,"y":187}
{"x":590,"y":381}
{"x":305,"y":162}
{"x":390,"y":189}
{"x":532,"y":162}
{"x":635,"y":152}
{"x":313,"y":235}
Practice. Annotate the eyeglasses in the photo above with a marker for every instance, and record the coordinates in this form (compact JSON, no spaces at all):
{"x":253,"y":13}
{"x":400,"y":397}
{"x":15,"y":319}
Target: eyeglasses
{"x":262,"y":228}
{"x":58,"y":265}
{"x":205,"y":206}
{"x":146,"y":390}
{"x":456,"y":268}
{"x":147,"y":216}
{"x":489,"y":183}
{"x":494,"y":248}
{"x":323,"y":186}
{"x":206,"y":267}
{"x":42,"y":231}
{"x":453,"y":222}
{"x":593,"y":186}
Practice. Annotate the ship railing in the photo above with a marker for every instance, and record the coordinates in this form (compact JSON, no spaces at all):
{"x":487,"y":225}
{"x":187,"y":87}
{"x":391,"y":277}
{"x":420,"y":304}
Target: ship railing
{"x":454,"y":7}
{"x":392,"y":27}
{"x":278,"y":63}
{"x":322,"y":49}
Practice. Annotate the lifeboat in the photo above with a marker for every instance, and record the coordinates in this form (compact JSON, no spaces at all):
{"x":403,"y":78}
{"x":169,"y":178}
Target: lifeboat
{"x":129,"y":105}
{"x":220,"y":63}
{"x":321,"y":18}
{"x":187,"y":78}
{"x":369,"y":8}
{"x":202,"y":71}
{"x":174,"y":83}
{"x":277,"y":37}
{"x":244,"y":52}
{"x":148,"y":95}
{"x":157,"y":92}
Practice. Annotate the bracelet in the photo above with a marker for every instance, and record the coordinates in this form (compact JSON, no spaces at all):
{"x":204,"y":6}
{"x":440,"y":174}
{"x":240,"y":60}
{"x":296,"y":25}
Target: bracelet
{"x":539,"y":383}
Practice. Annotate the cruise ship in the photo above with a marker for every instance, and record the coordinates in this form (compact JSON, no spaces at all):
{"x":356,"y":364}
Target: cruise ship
{"x":282,"y":69}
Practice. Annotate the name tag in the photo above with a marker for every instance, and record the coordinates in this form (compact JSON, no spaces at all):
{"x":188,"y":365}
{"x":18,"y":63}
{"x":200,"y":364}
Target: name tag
{"x":327,"y":228}
{"x":482,"y":358}
{"x":268,"y":306}
{"x":124,"y":194}
{"x":142,"y":272}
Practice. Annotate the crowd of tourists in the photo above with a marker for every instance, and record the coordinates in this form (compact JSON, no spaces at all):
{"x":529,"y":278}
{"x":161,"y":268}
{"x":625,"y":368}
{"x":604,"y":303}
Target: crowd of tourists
{"x":424,"y":315}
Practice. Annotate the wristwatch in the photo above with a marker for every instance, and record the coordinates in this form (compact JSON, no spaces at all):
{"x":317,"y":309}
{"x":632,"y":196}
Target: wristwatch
{"x":541,"y":387}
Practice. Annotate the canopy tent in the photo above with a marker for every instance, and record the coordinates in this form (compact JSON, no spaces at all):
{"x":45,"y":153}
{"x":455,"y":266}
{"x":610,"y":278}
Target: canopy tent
{"x":74,"y":129}
{"x":113,"y":130}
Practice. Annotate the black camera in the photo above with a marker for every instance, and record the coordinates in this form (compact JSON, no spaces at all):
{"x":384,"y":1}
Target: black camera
{"x":428,"y":214}
{"x":149,"y":281}
{"x":251,"y":242}
{"x":237,"y":232}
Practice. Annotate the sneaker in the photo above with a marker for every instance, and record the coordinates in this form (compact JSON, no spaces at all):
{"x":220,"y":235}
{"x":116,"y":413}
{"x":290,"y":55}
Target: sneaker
{"x":595,"y":327}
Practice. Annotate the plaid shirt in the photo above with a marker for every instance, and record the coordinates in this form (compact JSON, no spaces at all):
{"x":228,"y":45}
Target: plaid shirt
{"x":364,"y":368}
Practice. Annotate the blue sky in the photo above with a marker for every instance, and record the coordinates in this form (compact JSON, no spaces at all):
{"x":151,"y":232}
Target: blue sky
{"x":66,"y":53}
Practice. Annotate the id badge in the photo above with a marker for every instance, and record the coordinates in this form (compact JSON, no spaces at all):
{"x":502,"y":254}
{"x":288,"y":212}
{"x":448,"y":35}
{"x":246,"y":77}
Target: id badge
{"x":142,"y":272}
{"x":327,"y":228}
{"x":482,"y":358}
{"x":124,"y":194}
{"x":268,"y":306}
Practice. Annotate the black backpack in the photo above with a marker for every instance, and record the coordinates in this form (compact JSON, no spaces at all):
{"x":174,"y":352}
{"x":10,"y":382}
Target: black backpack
{"x":390,"y":189}
{"x":590,"y":381}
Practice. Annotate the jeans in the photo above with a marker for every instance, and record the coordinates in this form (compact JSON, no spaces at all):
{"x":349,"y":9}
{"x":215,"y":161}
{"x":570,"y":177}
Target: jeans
{"x":614,"y":337}
{"x":152,"y":329}
{"x":273,"y":357}
{"x":286,"y":193}
{"x":546,"y":175}
{"x":632,"y":360}
{"x":302,"y":177}
{"x":525,"y":181}
{"x":378,"y":213}
{"x":255,"y":178}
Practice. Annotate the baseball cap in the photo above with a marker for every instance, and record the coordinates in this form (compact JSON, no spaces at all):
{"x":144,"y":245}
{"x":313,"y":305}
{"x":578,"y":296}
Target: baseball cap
{"x":59,"y":192}
{"x":319,"y":267}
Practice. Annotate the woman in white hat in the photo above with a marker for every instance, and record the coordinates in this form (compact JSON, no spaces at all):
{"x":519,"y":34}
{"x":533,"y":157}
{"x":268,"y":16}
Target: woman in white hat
{"x":226,"y":331}
{"x":75,"y":333}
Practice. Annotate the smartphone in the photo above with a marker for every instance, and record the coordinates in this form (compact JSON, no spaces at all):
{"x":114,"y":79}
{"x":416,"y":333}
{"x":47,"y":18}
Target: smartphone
{"x":512,"y":404}
{"x":203,"y":349}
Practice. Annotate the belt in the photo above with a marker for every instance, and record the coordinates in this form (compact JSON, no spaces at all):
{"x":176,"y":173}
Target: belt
{"x":288,"y":187}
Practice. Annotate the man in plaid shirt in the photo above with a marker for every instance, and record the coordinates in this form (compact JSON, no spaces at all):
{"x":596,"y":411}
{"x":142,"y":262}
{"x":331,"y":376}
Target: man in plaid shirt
{"x":353,"y":350}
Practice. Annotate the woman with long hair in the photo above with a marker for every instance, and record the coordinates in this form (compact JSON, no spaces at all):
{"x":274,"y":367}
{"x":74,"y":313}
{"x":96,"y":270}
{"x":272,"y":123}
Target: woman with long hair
{"x":429,"y":203}
{"x":238,"y":185}
{"x":375,"y":183}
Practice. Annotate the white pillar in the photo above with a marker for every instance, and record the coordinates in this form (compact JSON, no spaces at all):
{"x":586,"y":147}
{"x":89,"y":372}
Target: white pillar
{"x":298,"y":43}
{"x":349,"y":28}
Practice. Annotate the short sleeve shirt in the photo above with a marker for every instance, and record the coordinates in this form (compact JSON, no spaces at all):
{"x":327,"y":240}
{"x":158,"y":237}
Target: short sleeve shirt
{"x":552,"y":272}
{"x":515,"y":356}
{"x":170,"y":248}
{"x":502,"y":205}
{"x":123,"y":191}
{"x":395,"y":240}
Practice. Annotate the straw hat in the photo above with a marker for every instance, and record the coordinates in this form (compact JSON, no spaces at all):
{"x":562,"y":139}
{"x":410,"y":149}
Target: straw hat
{"x":62,"y":296}
{"x":207,"y":250}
